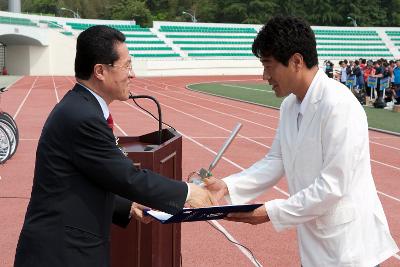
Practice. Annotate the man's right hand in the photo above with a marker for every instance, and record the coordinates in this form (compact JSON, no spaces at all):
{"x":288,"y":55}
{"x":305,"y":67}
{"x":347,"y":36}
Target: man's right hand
{"x":217,"y":187}
{"x":199,"y":197}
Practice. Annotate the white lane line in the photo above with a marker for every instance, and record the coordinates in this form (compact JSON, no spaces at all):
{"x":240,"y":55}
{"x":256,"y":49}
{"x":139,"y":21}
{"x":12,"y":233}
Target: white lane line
{"x":389,"y":196}
{"x":213,"y":110}
{"x":119,"y":128}
{"x":26,"y":97}
{"x":247,"y":88}
{"x":387,"y":165}
{"x":385,"y":137}
{"x":242,"y":249}
{"x":205,"y":82}
{"x":196,"y":95}
{"x":379,"y":144}
{"x":55,"y":89}
{"x":72,"y":81}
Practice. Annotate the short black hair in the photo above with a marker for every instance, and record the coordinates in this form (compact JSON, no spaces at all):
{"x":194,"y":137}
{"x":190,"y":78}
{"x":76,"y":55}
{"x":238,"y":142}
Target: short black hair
{"x":96,"y":45}
{"x":284,"y":36}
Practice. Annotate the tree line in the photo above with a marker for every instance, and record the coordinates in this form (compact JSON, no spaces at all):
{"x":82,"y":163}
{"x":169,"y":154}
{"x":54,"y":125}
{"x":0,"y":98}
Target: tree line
{"x":317,"y":12}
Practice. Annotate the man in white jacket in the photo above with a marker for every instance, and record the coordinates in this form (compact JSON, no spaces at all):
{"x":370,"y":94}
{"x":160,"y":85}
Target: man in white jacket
{"x":322,"y":147}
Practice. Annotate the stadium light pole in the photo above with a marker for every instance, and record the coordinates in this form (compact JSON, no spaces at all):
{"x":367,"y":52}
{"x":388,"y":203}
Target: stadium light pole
{"x":76,"y":15}
{"x":353,"y":21}
{"x":194,"y":20}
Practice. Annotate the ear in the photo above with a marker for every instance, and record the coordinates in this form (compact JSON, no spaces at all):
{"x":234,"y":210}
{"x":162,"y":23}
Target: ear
{"x":297,"y":61}
{"x":98,"y":71}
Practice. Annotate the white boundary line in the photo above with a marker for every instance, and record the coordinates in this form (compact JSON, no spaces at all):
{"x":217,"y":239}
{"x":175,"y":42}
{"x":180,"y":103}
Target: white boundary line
{"x":246,"y":88}
{"x":26,"y":96}
{"x":389,"y":196}
{"x":379,"y":144}
{"x":387,"y":165}
{"x":55,"y":89}
{"x":119,"y":128}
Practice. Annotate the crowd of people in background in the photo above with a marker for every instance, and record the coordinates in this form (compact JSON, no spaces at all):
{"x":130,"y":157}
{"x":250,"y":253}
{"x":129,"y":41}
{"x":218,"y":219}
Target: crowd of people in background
{"x":355,"y":74}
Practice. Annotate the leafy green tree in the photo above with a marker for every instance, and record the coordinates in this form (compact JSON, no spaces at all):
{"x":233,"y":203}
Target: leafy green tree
{"x":206,"y":10}
{"x":4,"y":5}
{"x":321,"y":12}
{"x":40,"y":6}
{"x":236,"y":12}
{"x":317,"y":12}
{"x":128,"y":10}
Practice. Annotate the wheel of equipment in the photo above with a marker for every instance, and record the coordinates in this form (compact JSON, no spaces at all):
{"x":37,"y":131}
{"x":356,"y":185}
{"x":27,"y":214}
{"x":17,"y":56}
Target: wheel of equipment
{"x":11,"y":123}
{"x":5,"y":145}
{"x":11,"y":136}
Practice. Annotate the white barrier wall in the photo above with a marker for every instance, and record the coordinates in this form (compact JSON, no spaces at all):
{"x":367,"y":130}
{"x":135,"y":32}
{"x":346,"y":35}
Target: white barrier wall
{"x":55,"y":59}
{"x":62,"y":54}
{"x":193,"y":67}
{"x":17,"y":60}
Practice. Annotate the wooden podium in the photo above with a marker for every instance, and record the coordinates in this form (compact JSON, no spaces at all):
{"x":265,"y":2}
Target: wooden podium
{"x":154,"y":244}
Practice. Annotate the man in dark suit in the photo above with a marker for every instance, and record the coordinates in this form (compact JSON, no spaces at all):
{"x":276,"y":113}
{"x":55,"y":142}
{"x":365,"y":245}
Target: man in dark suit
{"x":82,"y":180}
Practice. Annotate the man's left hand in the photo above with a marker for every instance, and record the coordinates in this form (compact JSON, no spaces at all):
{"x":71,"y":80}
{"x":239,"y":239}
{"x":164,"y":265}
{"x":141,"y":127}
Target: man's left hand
{"x":254,"y":217}
{"x":137,"y":212}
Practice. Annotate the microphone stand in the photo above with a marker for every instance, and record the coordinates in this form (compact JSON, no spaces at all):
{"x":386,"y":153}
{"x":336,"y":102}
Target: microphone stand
{"x":131,"y":96}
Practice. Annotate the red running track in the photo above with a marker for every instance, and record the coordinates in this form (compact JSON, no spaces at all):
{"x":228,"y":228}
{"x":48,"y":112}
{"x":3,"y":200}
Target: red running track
{"x":205,"y":122}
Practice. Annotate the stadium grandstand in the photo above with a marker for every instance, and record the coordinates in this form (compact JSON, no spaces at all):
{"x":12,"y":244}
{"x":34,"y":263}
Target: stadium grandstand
{"x":44,"y":45}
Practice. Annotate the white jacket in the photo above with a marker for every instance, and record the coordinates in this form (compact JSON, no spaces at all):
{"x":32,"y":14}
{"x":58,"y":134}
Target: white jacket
{"x":333,"y":200}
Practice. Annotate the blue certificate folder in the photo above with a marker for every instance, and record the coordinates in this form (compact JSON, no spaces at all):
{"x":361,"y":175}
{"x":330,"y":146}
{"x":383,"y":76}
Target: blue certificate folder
{"x":200,"y":214}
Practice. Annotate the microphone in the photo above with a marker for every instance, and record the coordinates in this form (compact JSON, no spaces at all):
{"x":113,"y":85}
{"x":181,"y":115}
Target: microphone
{"x":133,"y":97}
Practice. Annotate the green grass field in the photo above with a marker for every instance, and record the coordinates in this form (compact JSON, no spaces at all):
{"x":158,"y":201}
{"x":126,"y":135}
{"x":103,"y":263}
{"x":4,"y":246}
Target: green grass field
{"x":263,"y":95}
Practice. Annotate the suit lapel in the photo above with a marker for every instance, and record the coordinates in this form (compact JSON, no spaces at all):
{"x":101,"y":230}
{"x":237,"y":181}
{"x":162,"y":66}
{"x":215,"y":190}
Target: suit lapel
{"x":312,"y":107}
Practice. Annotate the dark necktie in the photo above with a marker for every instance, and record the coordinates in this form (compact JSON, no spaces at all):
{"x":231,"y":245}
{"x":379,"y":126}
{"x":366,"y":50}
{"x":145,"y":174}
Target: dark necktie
{"x":110,"y":122}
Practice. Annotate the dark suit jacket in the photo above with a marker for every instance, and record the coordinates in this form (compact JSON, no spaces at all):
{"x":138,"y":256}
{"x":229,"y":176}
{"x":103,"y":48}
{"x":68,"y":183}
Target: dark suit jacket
{"x":78,"y":172}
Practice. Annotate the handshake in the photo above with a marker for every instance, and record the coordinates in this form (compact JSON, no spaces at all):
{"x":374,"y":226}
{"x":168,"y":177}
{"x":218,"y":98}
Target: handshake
{"x":207,"y":195}
{"x":199,"y":196}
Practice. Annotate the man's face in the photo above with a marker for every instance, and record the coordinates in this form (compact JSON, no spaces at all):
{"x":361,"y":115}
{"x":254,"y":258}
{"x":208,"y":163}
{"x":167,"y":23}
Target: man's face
{"x":119,"y":75}
{"x":277,"y":75}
